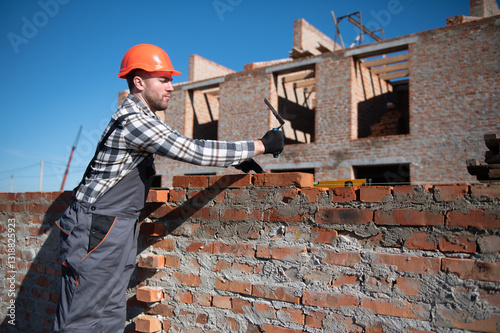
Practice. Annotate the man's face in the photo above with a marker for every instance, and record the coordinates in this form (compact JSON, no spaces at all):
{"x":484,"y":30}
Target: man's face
{"x":157,"y":89}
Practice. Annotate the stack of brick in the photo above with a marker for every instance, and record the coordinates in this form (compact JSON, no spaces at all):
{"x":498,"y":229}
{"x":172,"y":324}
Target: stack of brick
{"x":489,"y":169}
{"x":271,"y":253}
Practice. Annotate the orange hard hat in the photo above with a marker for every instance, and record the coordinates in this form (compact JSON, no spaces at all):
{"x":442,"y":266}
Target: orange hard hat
{"x":147,"y":57}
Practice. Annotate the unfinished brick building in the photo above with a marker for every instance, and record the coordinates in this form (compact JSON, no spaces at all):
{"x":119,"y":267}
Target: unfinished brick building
{"x":407,"y":109}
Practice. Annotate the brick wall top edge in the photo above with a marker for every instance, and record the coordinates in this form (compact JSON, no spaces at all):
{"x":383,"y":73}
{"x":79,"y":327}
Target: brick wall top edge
{"x":297,"y":179}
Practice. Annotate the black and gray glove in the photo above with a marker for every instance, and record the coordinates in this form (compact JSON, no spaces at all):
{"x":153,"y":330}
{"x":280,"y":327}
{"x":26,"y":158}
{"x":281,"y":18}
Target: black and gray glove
{"x":274,"y":142}
{"x":249,"y":165}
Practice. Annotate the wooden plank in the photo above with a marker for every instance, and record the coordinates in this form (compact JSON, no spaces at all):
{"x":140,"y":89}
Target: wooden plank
{"x":306,"y":83}
{"x":298,"y":76}
{"x":394,"y":75}
{"x":391,"y":68}
{"x":386,"y":60}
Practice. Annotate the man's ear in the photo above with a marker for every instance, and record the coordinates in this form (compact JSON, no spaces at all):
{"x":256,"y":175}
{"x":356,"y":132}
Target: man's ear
{"x":139,"y":83}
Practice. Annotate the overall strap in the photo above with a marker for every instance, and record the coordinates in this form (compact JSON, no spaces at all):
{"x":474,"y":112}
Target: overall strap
{"x":113,"y":126}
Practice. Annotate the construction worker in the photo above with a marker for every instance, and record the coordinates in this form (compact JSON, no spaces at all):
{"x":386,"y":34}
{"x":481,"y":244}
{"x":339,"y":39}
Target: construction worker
{"x":99,"y":230}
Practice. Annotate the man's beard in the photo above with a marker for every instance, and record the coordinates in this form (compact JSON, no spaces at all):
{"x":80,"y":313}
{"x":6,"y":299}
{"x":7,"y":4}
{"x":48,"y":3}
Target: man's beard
{"x":155,"y":101}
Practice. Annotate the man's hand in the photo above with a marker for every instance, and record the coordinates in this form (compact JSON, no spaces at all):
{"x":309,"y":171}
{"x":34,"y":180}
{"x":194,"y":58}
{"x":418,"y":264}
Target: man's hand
{"x":274,"y":142}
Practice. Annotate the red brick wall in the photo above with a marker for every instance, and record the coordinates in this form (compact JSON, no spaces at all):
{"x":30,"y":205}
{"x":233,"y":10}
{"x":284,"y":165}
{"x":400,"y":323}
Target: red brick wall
{"x":272,"y":253}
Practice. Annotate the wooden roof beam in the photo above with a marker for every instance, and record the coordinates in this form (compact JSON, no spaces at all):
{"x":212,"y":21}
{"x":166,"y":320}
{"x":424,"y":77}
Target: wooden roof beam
{"x":386,"y":60}
{"x":298,"y":76}
{"x":394,"y":75}
{"x":391,"y":68}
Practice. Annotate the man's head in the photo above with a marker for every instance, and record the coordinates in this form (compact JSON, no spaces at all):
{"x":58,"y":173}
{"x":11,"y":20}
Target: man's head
{"x":149,"y":72}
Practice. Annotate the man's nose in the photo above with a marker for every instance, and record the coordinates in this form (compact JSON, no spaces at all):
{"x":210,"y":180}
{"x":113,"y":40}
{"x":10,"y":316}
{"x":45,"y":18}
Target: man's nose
{"x":169,"y":87}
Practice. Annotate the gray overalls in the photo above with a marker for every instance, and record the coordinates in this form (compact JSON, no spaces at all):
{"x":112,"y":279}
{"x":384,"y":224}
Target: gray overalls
{"x":98,"y":253}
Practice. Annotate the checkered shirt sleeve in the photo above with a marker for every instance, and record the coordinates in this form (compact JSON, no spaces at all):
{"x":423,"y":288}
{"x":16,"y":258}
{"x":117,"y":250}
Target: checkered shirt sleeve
{"x":142,"y":134}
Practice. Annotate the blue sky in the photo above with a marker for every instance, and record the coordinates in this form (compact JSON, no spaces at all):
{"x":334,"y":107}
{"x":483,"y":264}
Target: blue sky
{"x":60,"y":59}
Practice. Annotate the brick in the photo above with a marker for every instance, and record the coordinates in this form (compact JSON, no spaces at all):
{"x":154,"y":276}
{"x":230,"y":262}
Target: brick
{"x":476,"y":218}
{"x":149,"y":294}
{"x":265,"y":310}
{"x":472,"y":269}
{"x":234,"y":286}
{"x":202,"y":319}
{"x":421,"y":240}
{"x":396,"y":308}
{"x":241,"y":306}
{"x":408,"y":217}
{"x":165,"y":212}
{"x":329,"y":300}
{"x":289,"y":253}
{"x":230,"y":181}
{"x":374,"y":193}
{"x":172,"y":261}
{"x":284,"y":179}
{"x":489,"y":244}
{"x":147,"y":324}
{"x":485,"y":190}
{"x":343,"y":194}
{"x":164,"y":310}
{"x":283,"y":214}
{"x":287,"y":194}
{"x":190,"y":181}
{"x":237,"y":250}
{"x":276,"y":293}
{"x":466,"y":321}
{"x":222,"y":302}
{"x":344,"y":216}
{"x":324,"y":235}
{"x":342,"y":280}
{"x":197,"y":197}
{"x":177,"y":195}
{"x":188,"y":279}
{"x":151,"y":261}
{"x":200,"y":247}
{"x":408,"y":286}
{"x":202,"y":299}
{"x":313,"y":194}
{"x":450,"y":192}
{"x":153,"y":229}
{"x":348,"y":259}
{"x":185,"y":297}
{"x":291,"y":315}
{"x":231,"y":214}
{"x":315,"y":319}
{"x":407,"y":263}
{"x":458,"y":243}
{"x":167,"y":244}
{"x":157,"y":196}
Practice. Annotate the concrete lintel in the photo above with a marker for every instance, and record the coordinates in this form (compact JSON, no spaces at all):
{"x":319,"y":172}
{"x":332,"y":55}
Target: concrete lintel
{"x":378,"y":161}
{"x":293,"y":65}
{"x":203,"y":84}
{"x":381,"y":47}
{"x":199,"y":170}
{"x":292,"y":166}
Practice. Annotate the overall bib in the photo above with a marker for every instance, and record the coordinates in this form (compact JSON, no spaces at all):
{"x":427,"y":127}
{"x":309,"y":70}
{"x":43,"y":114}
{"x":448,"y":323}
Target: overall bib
{"x":98,"y":255}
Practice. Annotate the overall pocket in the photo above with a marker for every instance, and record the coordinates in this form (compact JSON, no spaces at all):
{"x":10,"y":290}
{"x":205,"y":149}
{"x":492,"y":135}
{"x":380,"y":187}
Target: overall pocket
{"x":67,"y":222}
{"x":99,"y":229}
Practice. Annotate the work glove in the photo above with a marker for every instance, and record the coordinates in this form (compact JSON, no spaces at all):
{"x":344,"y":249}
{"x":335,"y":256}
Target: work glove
{"x":249,"y":165}
{"x":274,"y":142}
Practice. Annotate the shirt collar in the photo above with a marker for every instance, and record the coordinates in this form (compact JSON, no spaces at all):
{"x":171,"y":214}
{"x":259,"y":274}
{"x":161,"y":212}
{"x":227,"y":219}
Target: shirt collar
{"x":140,"y":104}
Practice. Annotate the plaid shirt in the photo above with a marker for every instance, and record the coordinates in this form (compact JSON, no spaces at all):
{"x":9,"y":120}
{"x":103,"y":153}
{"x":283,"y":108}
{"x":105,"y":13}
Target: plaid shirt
{"x":142,"y":134}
